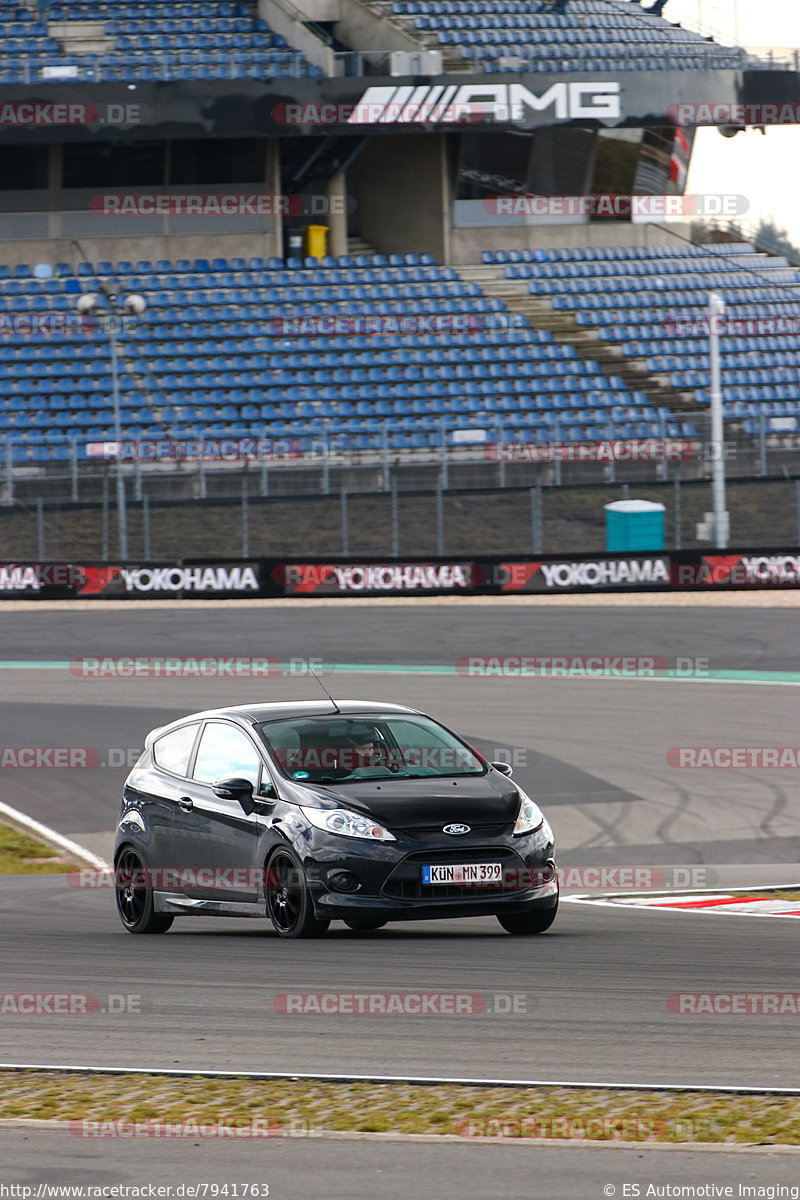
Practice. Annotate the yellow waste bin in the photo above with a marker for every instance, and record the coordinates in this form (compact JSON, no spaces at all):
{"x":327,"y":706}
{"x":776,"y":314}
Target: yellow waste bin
{"x":316,"y":241}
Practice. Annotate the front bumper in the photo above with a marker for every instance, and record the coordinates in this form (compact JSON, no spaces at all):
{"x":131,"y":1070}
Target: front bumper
{"x":389,"y":877}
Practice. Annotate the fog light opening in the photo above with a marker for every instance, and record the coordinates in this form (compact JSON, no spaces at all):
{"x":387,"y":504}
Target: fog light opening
{"x":343,"y":881}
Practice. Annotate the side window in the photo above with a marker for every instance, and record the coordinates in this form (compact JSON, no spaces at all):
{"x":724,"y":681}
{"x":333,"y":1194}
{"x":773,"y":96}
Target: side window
{"x":173,"y":750}
{"x":226,"y":752}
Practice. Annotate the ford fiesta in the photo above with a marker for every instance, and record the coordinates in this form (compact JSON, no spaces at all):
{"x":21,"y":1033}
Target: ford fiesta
{"x":325,"y":811}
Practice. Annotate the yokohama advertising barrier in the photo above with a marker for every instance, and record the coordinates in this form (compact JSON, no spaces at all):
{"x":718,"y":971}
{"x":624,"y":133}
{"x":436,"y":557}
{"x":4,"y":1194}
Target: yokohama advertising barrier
{"x":214,"y":579}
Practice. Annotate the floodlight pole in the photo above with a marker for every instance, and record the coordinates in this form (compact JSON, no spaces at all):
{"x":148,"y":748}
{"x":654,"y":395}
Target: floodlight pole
{"x":134,"y":305}
{"x":122,"y":514}
{"x":716,"y":309}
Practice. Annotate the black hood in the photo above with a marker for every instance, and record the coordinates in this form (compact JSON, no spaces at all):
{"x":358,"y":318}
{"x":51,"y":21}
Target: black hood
{"x":489,"y":799}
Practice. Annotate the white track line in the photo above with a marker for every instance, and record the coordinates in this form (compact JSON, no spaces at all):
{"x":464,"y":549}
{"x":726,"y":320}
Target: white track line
{"x":420,"y":1080}
{"x":54,"y":839}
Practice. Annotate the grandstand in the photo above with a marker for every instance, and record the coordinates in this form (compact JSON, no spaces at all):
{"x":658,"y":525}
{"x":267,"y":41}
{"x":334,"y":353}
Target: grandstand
{"x":543,"y":331}
{"x":91,"y":41}
{"x":528,"y":35}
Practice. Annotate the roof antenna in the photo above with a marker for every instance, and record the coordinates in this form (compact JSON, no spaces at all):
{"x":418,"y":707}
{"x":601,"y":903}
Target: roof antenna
{"x":322,"y":685}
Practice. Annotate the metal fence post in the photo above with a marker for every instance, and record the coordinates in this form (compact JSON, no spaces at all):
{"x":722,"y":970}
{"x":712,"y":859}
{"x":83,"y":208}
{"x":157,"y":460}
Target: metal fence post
{"x":445,"y":460}
{"x":9,"y":471}
{"x":40,"y":527}
{"x":146,"y":527}
{"x":797,"y":506}
{"x":395,"y":522}
{"x":662,"y":466}
{"x":345,"y":532}
{"x":201,"y":478}
{"x":245,"y":517}
{"x":626,"y":491}
{"x":137,"y":494}
{"x":612,"y":462}
{"x":104,"y":535}
{"x":536,"y":519}
{"x":385,"y":457}
{"x":326,"y":474}
{"x":73,"y":468}
{"x":762,"y":444}
{"x":676,"y":535}
{"x":557,"y":464}
{"x":264,"y":479}
{"x":439,"y":521}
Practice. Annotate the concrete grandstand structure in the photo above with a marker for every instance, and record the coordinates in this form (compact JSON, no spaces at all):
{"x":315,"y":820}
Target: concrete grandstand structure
{"x":396,"y":125}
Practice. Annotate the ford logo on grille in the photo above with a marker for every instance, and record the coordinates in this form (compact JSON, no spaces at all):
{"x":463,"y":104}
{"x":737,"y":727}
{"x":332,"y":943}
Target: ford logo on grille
{"x":456,"y":829}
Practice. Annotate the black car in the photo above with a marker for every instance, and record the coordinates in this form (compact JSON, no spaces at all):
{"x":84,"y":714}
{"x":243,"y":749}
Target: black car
{"x":320,"y":811}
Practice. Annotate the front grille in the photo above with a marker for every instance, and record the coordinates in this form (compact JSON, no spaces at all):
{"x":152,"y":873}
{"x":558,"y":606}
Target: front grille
{"x":435,"y":831}
{"x":405,"y":882}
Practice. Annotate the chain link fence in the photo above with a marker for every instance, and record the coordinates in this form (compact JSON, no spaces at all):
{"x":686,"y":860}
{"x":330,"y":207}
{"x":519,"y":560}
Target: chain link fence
{"x":232,"y":496}
{"x":546,"y":519}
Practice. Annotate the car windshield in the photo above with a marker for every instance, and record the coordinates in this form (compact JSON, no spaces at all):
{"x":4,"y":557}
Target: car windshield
{"x":330,"y":749}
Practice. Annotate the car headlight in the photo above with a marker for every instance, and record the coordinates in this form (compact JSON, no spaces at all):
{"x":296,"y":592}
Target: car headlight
{"x":530,"y":816}
{"x":347,"y":824}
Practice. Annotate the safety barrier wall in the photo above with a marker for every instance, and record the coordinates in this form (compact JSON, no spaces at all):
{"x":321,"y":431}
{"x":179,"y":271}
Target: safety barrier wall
{"x":214,"y":579}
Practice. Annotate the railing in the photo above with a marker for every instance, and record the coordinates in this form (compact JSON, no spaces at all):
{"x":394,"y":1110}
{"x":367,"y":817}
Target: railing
{"x":748,"y":231}
{"x":286,"y":460}
{"x":90,"y":71}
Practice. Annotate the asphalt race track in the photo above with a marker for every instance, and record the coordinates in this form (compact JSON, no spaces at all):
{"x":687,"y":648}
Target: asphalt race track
{"x":591,"y":995}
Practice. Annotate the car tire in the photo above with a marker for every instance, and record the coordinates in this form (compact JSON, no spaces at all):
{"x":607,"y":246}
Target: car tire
{"x":289,"y":904}
{"x":364,"y":926}
{"x":529,"y":923}
{"x":134,"y":898}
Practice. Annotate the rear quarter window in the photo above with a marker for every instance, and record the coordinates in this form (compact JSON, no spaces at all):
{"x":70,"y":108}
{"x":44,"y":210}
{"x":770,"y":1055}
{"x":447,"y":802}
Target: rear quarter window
{"x":173,"y":750}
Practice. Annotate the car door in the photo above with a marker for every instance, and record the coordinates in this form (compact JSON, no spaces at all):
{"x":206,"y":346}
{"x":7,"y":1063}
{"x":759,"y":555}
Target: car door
{"x":157,"y":783}
{"x":215,"y":839}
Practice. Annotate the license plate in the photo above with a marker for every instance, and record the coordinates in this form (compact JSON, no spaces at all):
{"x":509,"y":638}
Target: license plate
{"x":463,"y":873}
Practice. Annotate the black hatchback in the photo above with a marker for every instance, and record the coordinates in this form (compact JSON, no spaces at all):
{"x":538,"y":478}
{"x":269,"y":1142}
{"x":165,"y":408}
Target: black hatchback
{"x":322,"y":811}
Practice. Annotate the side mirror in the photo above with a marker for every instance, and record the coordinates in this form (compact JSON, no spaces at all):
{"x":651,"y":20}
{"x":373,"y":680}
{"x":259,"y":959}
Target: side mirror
{"x":503,"y":767}
{"x":240,"y":790}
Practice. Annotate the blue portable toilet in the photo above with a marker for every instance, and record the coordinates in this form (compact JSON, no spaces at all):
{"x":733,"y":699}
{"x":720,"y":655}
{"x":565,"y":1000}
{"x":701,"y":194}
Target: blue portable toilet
{"x":634,"y":525}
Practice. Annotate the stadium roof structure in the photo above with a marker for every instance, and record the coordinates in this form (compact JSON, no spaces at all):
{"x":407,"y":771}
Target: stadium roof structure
{"x":199,"y":69}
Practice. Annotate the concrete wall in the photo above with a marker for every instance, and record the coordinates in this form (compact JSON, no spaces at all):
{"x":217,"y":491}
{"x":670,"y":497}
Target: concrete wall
{"x":466,"y":244}
{"x":286,"y":19}
{"x":361,"y":29}
{"x":116,"y":249}
{"x":319,"y":10}
{"x":402,"y":191}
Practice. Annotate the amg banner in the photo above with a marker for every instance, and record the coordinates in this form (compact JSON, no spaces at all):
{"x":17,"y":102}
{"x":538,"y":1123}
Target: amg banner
{"x":69,"y":110}
{"x":214,"y":579}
